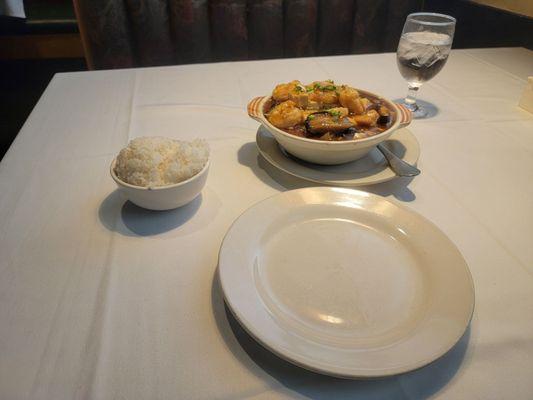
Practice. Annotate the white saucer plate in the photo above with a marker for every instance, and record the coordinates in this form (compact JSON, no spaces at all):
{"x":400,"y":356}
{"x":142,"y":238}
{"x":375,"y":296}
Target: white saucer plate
{"x":369,"y":170}
{"x":345,"y":283}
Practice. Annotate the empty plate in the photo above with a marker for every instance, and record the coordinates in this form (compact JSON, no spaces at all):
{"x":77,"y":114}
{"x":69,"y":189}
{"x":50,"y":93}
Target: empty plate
{"x":345,"y":283}
{"x":369,"y":170}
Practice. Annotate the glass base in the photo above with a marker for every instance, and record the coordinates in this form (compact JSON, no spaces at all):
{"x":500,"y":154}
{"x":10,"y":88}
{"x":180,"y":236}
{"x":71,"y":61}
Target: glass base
{"x":416,"y":111}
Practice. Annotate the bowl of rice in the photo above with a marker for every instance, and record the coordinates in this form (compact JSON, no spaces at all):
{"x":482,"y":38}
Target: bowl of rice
{"x":159,"y":173}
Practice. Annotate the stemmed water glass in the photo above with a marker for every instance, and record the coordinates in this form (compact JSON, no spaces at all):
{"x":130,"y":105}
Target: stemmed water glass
{"x":422,"y":52}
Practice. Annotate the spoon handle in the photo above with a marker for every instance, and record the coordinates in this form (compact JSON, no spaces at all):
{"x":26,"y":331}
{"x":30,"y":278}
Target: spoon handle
{"x":399,"y":166}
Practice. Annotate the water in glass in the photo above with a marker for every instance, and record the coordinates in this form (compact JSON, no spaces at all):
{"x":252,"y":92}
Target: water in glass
{"x":422,"y":52}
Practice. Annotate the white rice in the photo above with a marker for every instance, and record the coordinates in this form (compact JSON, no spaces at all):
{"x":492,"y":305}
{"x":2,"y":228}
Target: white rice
{"x":159,"y":161}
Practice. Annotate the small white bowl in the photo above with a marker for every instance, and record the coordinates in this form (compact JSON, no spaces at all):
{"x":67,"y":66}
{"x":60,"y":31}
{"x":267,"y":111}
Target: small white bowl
{"x":326,"y":152}
{"x":162,"y":197}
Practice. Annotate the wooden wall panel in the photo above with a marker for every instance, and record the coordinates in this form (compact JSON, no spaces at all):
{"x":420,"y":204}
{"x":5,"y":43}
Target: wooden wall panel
{"x":228,"y":29}
{"x":105,"y":32}
{"x":265,"y":28}
{"x":149,"y":21}
{"x":300,"y":27}
{"x":189,"y":27}
{"x":335,"y":22}
{"x":66,"y":45}
{"x":369,"y":26}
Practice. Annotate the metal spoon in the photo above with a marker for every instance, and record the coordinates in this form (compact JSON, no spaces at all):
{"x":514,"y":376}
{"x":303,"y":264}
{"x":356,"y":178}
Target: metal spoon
{"x":399,"y":166}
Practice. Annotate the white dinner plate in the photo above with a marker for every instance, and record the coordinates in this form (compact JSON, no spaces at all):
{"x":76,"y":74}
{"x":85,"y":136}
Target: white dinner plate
{"x":369,"y":170}
{"x":345,"y":283}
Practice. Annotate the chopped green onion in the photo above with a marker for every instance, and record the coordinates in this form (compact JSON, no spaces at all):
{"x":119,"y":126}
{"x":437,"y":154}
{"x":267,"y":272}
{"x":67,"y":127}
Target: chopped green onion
{"x":317,"y":86}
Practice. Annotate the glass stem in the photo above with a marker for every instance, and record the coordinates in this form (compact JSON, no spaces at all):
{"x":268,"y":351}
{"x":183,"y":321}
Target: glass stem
{"x":410,"y":99}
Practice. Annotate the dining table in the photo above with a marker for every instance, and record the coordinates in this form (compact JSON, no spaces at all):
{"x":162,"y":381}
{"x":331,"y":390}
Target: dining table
{"x":101,"y":299}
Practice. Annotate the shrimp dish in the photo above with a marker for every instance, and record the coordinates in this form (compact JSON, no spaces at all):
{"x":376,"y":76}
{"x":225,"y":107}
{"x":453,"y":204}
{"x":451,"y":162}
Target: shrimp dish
{"x":323,"y":110}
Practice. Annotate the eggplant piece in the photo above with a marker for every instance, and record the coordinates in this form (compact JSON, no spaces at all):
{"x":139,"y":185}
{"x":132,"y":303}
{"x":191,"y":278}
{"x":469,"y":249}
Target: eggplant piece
{"x":323,"y":122}
{"x":384,"y":119}
{"x":368,"y":119}
{"x":384,"y":115}
{"x":383,"y":111}
{"x":350,"y":133}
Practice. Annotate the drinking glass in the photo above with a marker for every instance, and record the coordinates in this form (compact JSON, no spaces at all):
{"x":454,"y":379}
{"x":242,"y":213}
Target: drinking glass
{"x":422,"y":52}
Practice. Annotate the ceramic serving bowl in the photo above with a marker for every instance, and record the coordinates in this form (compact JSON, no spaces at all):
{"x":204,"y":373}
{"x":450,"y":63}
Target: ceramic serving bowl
{"x":162,"y":197}
{"x":326,"y":152}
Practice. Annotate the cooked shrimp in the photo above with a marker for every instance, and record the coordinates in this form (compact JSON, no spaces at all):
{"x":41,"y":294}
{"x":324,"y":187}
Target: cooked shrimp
{"x":340,"y":112}
{"x":322,"y":93}
{"x":368,"y":119}
{"x":349,"y":98}
{"x":282,"y":92}
{"x":326,"y":97}
{"x":365,"y":102}
{"x":286,"y":115}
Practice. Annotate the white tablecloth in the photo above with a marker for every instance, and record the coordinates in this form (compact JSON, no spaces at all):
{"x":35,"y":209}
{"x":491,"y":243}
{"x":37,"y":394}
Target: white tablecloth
{"x":102,"y":300}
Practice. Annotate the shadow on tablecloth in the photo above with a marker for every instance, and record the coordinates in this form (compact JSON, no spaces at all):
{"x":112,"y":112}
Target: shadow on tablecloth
{"x":124,"y":217}
{"x":416,"y":385}
{"x":249,"y":155}
{"x":431,"y":109}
